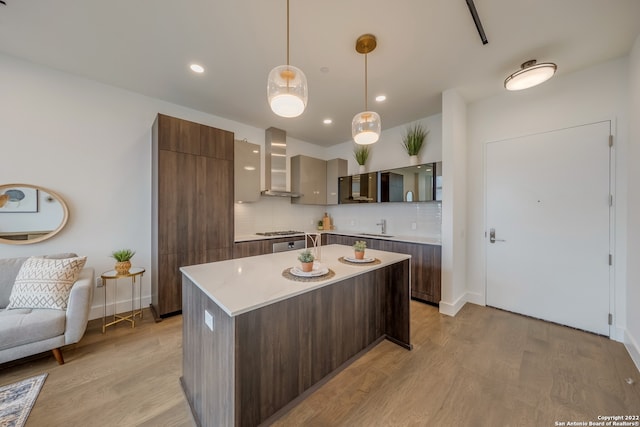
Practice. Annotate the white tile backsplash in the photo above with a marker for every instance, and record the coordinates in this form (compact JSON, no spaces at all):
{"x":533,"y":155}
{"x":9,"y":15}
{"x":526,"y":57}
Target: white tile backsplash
{"x":278,"y":213}
{"x":363,"y":218}
{"x":275,"y":213}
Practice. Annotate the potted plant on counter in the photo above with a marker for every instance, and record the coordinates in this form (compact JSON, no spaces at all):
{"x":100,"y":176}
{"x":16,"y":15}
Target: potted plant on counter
{"x":358,"y":247}
{"x":306,"y":260}
{"x":413,"y":140}
{"x":123,"y":258}
{"x":361,"y":153}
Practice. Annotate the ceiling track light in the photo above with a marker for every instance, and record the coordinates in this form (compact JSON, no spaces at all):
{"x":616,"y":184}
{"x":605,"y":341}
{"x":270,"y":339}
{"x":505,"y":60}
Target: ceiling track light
{"x":366,"y":126}
{"x":530,"y":74}
{"x":287,"y":90}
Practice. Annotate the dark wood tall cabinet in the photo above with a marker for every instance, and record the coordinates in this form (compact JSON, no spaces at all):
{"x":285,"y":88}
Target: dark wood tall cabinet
{"x":192,"y":204}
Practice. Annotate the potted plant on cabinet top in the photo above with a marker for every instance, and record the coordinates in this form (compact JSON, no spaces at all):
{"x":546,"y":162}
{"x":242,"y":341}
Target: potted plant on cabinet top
{"x":306,"y":260}
{"x":123,"y":258}
{"x":361,"y":153}
{"x":413,"y":140}
{"x":358,"y":247}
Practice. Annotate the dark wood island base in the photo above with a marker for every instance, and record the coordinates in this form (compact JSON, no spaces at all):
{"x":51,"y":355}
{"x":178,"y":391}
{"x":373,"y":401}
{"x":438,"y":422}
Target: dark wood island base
{"x":251,"y":367}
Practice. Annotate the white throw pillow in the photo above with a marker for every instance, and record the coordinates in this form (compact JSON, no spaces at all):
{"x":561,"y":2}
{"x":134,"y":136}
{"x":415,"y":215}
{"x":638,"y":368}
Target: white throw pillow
{"x":45,"y":283}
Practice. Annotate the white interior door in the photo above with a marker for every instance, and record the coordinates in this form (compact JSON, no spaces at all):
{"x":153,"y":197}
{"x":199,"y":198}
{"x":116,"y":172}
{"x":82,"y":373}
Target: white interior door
{"x":547,"y":198}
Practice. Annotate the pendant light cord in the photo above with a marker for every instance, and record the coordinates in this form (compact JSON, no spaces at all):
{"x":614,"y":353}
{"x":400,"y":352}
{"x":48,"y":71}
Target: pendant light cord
{"x":365,"y":82}
{"x":287,"y":32}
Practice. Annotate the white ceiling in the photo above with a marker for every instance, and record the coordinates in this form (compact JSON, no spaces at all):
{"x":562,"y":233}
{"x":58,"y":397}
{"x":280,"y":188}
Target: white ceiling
{"x":424,"y":47}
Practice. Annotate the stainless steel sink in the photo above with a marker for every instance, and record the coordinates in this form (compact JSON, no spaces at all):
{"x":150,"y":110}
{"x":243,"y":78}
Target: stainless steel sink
{"x":375,"y":235}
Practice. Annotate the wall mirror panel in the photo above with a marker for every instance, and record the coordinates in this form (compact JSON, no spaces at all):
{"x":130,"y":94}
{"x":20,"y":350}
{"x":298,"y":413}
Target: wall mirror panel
{"x":421,"y":183}
{"x":30,"y":214}
{"x":362,"y":188}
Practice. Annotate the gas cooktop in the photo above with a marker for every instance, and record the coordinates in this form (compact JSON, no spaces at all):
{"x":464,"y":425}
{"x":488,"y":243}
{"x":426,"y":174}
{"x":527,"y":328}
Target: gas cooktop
{"x":280,"y":233}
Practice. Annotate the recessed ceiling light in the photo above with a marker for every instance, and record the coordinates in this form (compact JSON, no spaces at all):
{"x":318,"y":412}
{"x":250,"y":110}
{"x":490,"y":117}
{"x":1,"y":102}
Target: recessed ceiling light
{"x":196,"y":68}
{"x":249,"y":168}
{"x":381,"y":98}
{"x":256,"y":151}
{"x":327,"y":121}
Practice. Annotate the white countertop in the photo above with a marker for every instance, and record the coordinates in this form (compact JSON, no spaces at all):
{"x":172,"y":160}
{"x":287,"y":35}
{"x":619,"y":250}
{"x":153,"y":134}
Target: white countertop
{"x":397,"y":238}
{"x":251,"y":237}
{"x":244,"y":284}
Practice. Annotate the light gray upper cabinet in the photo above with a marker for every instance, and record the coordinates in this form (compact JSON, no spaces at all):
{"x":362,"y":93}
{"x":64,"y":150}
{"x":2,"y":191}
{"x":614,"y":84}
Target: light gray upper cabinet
{"x":246,"y":172}
{"x":335,"y":169}
{"x":309,"y":179}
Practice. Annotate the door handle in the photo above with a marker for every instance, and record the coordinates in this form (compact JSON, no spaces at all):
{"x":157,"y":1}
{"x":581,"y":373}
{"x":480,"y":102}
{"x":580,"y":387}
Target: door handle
{"x":492,"y":236}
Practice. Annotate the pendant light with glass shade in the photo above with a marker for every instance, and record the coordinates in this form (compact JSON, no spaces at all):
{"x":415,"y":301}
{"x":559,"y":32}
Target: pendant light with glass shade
{"x":366,"y":126}
{"x":287,"y":90}
{"x":530,"y":74}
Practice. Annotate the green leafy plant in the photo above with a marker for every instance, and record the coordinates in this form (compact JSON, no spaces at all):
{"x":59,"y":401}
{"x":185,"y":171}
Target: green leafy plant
{"x":360,"y":246}
{"x":123,"y":255}
{"x":413,"y":139}
{"x":306,"y":256}
{"x":361,"y":153}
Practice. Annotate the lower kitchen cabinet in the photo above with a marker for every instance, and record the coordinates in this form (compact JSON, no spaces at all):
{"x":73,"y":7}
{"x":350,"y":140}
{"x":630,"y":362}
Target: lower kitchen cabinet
{"x":425,"y":263}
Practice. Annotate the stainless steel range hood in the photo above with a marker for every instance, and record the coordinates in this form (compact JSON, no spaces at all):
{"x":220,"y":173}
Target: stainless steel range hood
{"x":275,"y":164}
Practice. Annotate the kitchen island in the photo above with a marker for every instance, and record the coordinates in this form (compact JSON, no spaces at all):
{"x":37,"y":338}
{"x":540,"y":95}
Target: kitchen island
{"x":255,"y":341}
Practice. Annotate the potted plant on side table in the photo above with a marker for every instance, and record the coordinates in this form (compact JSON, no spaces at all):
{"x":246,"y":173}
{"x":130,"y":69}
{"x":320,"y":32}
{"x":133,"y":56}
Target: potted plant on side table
{"x":123,"y":258}
{"x":358,"y":247}
{"x":306,"y":260}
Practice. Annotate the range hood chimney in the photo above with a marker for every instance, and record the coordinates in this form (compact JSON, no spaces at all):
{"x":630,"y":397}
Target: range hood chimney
{"x":275,"y":164}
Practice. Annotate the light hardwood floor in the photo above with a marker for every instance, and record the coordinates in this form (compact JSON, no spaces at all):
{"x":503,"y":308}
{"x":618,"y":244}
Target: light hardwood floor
{"x":485,"y":367}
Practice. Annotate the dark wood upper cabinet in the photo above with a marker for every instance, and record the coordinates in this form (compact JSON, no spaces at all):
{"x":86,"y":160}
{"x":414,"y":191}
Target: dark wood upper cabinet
{"x":216,"y":143}
{"x":178,"y":135}
{"x":192,"y":206}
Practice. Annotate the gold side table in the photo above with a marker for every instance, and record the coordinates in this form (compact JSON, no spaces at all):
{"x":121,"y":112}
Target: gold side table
{"x":113,"y":275}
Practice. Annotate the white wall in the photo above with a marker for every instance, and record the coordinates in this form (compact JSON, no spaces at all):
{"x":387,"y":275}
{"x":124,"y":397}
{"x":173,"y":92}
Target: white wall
{"x":454,"y":200}
{"x":632,"y":338}
{"x":594,"y":94}
{"x":90,"y":143}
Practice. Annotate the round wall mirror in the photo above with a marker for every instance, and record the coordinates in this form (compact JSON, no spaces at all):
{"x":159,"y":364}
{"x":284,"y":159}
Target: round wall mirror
{"x":30,"y":214}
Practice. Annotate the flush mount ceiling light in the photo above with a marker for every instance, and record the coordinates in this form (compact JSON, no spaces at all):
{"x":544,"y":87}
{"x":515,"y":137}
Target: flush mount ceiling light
{"x":366,"y":126}
{"x":287,"y":90}
{"x":531,"y":74}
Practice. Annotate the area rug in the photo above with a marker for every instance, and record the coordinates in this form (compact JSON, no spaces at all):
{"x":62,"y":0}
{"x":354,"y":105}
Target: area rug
{"x":17,"y":399}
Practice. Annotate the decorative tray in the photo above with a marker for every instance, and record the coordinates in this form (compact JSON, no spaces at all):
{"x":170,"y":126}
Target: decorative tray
{"x":318,"y":270}
{"x":363,"y":260}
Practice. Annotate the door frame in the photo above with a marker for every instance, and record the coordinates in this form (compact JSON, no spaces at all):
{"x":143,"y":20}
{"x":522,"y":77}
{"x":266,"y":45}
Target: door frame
{"x":612,"y":210}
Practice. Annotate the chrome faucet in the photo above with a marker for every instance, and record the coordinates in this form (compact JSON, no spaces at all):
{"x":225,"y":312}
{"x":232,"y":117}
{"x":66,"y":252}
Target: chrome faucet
{"x":383,"y":224}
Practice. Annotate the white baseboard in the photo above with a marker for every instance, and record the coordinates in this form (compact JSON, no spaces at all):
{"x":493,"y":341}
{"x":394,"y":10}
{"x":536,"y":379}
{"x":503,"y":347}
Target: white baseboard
{"x":476,"y":298}
{"x":633,"y":348}
{"x":97,"y":311}
{"x":451,"y":309}
{"x":617,"y":334}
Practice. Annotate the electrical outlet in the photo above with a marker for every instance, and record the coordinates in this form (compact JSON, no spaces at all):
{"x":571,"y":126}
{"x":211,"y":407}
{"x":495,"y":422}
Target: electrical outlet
{"x":208,"y":319}
{"x":414,"y":226}
{"x":99,"y":283}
